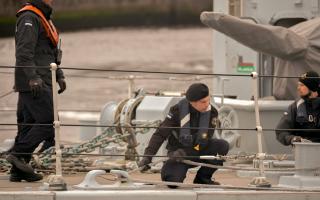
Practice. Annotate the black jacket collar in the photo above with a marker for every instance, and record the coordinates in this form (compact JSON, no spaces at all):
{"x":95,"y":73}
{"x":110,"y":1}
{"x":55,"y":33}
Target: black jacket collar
{"x":313,"y":103}
{"x":45,"y":9}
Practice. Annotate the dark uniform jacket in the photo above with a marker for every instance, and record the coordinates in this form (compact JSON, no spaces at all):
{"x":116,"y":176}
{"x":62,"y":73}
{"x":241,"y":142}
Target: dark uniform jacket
{"x":292,"y":120}
{"x":33,"y":48}
{"x":173,"y":120}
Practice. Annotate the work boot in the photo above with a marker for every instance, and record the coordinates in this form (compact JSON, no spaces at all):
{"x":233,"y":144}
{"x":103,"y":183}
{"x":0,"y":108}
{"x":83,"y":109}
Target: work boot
{"x":14,"y":175}
{"x":31,"y":177}
{"x":17,"y":175}
{"x":19,"y":163}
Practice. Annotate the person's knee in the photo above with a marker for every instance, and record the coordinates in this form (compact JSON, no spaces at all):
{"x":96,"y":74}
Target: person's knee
{"x":222,"y":146}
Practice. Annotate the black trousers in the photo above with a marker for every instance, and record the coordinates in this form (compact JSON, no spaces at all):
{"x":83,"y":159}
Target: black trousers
{"x":34,"y":111}
{"x":174,"y":171}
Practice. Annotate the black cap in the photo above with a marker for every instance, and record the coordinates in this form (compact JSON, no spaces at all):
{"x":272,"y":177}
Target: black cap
{"x":197,"y":91}
{"x":311,"y":83}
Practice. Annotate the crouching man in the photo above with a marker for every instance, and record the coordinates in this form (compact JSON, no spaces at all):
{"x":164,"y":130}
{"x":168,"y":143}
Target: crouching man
{"x":197,"y":119}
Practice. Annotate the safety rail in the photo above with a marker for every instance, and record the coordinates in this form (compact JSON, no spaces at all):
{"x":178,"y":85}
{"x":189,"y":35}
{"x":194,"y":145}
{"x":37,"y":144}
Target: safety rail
{"x":162,"y":127}
{"x":154,"y":72}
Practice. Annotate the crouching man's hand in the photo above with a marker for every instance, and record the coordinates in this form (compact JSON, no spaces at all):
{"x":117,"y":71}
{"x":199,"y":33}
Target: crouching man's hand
{"x":144,"y":164}
{"x":296,"y":139}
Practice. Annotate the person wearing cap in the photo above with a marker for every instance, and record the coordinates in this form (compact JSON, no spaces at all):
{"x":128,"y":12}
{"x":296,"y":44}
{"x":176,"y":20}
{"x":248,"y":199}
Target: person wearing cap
{"x":304,"y":113}
{"x":197,"y":119}
{"x":37,"y":44}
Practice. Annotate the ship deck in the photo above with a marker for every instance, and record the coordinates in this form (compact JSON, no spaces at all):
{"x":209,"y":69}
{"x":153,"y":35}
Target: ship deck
{"x":34,"y":191}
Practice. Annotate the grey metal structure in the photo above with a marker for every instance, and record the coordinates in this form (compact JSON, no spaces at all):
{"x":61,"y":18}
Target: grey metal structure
{"x":147,"y":111}
{"x":307,"y":159}
{"x":231,"y":57}
{"x":243,"y":112}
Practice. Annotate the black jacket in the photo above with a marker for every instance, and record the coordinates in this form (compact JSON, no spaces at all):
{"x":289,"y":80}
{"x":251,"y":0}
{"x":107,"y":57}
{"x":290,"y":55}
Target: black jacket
{"x":33,"y":48}
{"x":173,"y":120}
{"x":290,"y":121}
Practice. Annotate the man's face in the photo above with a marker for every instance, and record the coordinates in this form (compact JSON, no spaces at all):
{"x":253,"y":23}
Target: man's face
{"x":302,"y":89}
{"x":201,"y":105}
{"x":48,"y":2}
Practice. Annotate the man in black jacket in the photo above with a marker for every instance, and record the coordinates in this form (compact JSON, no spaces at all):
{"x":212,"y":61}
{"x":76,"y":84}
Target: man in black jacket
{"x":303,"y":113}
{"x":36,"y":47}
{"x":196,"y":112}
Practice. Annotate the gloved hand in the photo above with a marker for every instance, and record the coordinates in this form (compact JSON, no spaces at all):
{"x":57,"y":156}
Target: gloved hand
{"x":62,"y":84}
{"x":36,"y":86}
{"x":296,"y":139}
{"x":306,"y":140}
{"x":144,"y":164}
{"x":177,"y":155}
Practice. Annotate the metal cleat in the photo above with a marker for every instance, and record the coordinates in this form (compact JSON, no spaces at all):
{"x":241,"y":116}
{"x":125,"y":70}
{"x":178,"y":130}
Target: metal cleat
{"x":123,"y":181}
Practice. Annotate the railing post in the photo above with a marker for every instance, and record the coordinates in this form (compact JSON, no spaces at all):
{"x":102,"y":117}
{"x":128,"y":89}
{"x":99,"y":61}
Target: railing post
{"x":56,"y":182}
{"x":260,"y":181}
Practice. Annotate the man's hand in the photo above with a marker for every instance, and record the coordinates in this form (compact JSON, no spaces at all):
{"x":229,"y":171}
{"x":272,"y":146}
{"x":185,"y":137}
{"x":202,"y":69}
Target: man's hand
{"x":305,"y":140}
{"x":144,"y":164}
{"x":296,"y":139}
{"x":36,"y":86}
{"x":62,"y":84}
{"x":177,"y":155}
